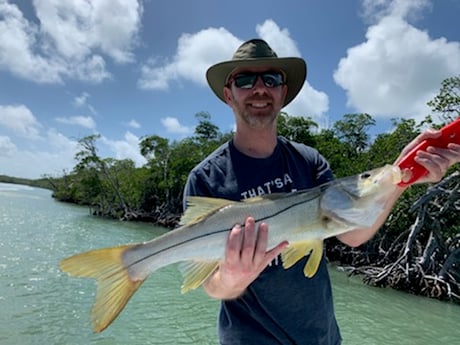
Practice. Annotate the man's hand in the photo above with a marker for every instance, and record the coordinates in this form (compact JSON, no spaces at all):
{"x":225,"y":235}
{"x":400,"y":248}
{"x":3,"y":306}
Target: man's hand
{"x":246,"y":256}
{"x":435,"y":160}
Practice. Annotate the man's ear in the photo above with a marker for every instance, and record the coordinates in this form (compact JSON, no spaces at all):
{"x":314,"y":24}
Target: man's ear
{"x":228,"y":95}
{"x":285,"y":89}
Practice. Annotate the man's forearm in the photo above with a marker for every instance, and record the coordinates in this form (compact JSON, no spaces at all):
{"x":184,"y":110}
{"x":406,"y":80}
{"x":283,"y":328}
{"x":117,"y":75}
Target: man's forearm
{"x":359,"y":236}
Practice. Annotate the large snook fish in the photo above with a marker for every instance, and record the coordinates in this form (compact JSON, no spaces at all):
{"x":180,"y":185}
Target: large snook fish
{"x":303,"y":218}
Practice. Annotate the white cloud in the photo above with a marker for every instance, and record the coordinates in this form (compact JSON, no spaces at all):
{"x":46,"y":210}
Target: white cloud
{"x":194,"y":54}
{"x":19,"y":119}
{"x":18,"y":38}
{"x":279,"y":39}
{"x":7,"y":147}
{"x":134,"y":124}
{"x":156,"y":78}
{"x":81,"y":101}
{"x":83,"y":121}
{"x":59,"y":141}
{"x":64,"y":41}
{"x":173,"y":125}
{"x":126,"y":149}
{"x":375,"y":10}
{"x":197,"y":52}
{"x":309,"y":102}
{"x":399,"y":68}
{"x":77,"y":27}
{"x":55,"y":155}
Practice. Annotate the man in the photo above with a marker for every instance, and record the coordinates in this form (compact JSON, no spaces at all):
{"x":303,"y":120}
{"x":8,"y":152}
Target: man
{"x":262,"y":303}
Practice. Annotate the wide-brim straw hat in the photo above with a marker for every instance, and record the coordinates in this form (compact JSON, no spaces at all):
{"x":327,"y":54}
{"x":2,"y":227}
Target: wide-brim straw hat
{"x":257,"y":53}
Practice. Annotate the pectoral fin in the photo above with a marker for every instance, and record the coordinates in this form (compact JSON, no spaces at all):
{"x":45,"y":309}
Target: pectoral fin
{"x":297,"y":250}
{"x":196,"y":272}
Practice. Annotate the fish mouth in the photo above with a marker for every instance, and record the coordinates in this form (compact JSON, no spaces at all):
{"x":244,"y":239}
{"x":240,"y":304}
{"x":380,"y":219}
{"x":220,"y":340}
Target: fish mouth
{"x":369,"y":182}
{"x":397,"y":175}
{"x":393,"y":175}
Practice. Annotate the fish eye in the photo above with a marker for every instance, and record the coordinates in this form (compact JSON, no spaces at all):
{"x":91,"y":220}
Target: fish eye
{"x":365,"y":175}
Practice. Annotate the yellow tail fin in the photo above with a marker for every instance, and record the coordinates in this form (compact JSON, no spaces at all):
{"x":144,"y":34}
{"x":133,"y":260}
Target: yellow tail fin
{"x":114,"y":286}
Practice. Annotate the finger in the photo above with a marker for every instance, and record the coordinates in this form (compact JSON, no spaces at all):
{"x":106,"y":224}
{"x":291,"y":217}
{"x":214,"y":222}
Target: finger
{"x":453,"y":153}
{"x":261,"y":244}
{"x":434,"y":163}
{"x":454,"y":147}
{"x":233,"y":246}
{"x":249,"y":241}
{"x":273,"y":253}
{"x":428,"y":134}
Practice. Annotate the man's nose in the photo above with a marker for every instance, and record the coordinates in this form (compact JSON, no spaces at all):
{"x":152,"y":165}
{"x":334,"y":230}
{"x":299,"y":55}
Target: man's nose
{"x":259,"y":86}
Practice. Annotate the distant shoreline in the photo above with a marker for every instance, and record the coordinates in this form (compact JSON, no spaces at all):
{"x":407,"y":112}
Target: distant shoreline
{"x":41,"y":183}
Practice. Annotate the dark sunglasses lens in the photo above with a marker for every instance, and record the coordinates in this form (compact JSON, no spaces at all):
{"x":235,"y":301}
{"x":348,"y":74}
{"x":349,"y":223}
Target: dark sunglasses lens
{"x":245,"y":81}
{"x":272,"y":79}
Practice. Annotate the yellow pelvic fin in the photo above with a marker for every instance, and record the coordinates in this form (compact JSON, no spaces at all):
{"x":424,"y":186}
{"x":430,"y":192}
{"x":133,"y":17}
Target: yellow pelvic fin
{"x":297,"y":250}
{"x":195,"y":273}
{"x":114,"y":286}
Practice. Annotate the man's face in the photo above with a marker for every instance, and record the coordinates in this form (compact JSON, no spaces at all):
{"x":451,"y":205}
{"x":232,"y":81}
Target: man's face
{"x":259,"y":105}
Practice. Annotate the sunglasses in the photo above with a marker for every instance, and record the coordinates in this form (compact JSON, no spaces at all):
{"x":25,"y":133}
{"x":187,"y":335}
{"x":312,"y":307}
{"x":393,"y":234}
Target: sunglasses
{"x":248,"y":80}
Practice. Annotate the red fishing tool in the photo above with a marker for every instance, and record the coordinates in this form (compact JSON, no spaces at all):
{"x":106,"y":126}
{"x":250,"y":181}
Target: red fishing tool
{"x":449,"y":134}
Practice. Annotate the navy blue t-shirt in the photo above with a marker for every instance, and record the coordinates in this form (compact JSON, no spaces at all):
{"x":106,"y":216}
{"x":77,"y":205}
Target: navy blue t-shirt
{"x":280,"y":306}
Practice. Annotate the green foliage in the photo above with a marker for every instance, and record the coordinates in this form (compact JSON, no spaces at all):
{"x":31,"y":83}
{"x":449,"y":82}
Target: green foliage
{"x":387,"y":146}
{"x":119,"y":189}
{"x":336,"y":152}
{"x":447,"y":102}
{"x":352,"y":132}
{"x":297,"y":128}
{"x":206,"y":130}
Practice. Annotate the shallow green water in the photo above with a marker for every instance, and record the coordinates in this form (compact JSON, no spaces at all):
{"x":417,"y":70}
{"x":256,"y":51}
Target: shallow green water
{"x":41,"y":305}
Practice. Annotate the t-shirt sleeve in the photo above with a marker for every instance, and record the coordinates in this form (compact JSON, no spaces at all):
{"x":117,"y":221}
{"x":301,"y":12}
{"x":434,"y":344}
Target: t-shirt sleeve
{"x":195,"y":186}
{"x":323,"y":171}
{"x":212,"y":177}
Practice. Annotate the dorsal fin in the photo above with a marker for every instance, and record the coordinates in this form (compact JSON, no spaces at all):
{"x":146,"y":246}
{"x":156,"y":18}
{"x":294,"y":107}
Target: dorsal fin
{"x":199,"y":207}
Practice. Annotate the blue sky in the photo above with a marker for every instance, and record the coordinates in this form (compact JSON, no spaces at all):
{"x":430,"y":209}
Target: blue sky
{"x":132,"y":68}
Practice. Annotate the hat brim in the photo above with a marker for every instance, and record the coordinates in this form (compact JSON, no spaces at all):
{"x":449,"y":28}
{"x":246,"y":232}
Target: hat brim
{"x":294,"y":68}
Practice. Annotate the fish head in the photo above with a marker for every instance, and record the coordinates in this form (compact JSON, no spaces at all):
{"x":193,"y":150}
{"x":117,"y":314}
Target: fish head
{"x":360,"y":199}
{"x":380,"y":181}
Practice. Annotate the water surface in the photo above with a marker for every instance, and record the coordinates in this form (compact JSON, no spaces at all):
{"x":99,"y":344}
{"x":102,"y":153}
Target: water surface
{"x":41,"y":305}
